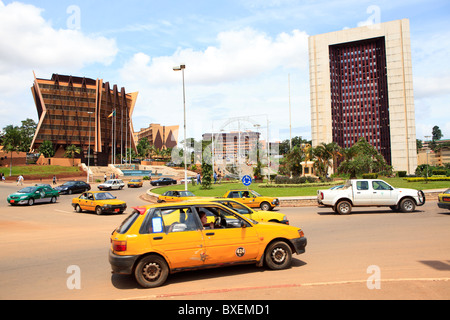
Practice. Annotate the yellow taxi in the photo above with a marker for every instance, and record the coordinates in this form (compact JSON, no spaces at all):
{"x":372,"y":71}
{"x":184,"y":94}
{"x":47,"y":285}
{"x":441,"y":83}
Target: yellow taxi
{"x":175,"y":196}
{"x":135,"y":183}
{"x":252,"y":199}
{"x":259,"y":216}
{"x":158,"y":240}
{"x":98,"y":202}
{"x":444,"y":200}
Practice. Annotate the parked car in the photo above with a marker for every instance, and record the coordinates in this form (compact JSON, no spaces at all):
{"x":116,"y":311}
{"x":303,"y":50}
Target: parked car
{"x":370,"y":192}
{"x":32,"y":195}
{"x":99,"y":202}
{"x":70,"y":187}
{"x":163,"y":239}
{"x":444,"y":200}
{"x":135,"y":183}
{"x":112,"y":184}
{"x":163,"y":182}
{"x":252,"y":199}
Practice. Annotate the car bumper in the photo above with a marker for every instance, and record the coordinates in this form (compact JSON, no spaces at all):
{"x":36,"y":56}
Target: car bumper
{"x":17,"y":202}
{"x":444,"y":205}
{"x":299,"y":245}
{"x":114,"y":209}
{"x":121,"y":264}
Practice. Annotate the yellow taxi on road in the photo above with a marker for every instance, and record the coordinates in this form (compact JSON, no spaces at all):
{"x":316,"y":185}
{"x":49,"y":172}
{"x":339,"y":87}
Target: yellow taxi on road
{"x":158,"y":240}
{"x":175,"y":196}
{"x":252,"y":199}
{"x":259,"y":216}
{"x":135,"y":183}
{"x":99,"y":202}
{"x":444,"y":200}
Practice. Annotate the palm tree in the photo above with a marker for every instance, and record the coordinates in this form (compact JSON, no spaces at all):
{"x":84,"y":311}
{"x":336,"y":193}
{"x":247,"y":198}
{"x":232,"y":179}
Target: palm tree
{"x":71,"y":151}
{"x":322,"y":159}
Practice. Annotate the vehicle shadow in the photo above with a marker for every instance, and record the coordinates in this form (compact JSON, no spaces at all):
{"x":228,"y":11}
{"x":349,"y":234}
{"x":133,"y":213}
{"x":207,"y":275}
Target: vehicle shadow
{"x":359,"y":211}
{"x":127,"y":282}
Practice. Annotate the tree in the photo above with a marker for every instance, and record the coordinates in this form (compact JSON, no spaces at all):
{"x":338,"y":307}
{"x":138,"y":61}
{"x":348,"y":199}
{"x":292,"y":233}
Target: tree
{"x":71,"y":151}
{"x":27,"y":130}
{"x":11,"y":141}
{"x":293,"y":161}
{"x":362,"y":157}
{"x":437,"y":133}
{"x":47,"y":149}
{"x":143,"y":147}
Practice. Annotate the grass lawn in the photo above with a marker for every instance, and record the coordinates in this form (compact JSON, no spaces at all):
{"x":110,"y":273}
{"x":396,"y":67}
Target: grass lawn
{"x":34,"y":170}
{"x":219,"y":190}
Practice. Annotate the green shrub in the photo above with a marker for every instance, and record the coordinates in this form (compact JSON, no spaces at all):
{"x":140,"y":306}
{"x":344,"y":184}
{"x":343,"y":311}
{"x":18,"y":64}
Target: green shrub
{"x":370,"y":175}
{"x":401,"y":174}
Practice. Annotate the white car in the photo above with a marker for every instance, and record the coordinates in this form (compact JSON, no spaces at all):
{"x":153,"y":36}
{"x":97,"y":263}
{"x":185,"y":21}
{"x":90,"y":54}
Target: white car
{"x":370,"y":192}
{"x":113,"y":184}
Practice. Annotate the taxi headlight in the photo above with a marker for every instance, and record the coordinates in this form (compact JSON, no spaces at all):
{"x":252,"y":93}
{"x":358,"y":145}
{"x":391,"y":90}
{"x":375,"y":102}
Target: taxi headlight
{"x":300,"y":233}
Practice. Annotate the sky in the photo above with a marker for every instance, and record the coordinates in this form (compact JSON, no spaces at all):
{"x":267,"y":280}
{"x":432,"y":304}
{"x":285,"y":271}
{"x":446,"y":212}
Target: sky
{"x":245,"y":59}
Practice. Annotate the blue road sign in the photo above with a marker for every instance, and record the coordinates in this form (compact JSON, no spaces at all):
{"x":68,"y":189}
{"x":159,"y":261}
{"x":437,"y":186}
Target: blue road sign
{"x":247,"y":180}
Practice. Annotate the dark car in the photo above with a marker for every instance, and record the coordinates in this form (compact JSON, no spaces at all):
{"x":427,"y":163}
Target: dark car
{"x":163,"y":182}
{"x":73,"y":187}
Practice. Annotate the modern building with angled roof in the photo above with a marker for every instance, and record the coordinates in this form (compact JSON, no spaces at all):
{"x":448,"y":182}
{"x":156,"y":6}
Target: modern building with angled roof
{"x":162,"y":137}
{"x":90,"y":114}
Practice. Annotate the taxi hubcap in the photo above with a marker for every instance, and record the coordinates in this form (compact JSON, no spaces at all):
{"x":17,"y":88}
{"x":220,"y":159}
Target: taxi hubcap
{"x":278,"y":255}
{"x":151,"y":271}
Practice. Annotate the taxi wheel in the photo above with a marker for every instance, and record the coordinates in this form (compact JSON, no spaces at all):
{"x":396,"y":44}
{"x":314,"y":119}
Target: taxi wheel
{"x":265,"y":206}
{"x":278,"y":256}
{"x":98,"y":210}
{"x":78,"y":209}
{"x":152,"y":271}
{"x":30,"y":201}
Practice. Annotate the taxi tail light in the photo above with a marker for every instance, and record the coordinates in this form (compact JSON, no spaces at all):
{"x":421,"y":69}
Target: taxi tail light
{"x":119,"y":245}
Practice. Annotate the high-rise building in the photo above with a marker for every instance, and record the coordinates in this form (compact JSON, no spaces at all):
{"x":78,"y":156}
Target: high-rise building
{"x":86,"y":113}
{"x":361,"y":86}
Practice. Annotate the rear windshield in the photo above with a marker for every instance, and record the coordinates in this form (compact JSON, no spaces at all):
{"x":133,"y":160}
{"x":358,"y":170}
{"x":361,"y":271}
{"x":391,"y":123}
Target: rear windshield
{"x":128,"y":222}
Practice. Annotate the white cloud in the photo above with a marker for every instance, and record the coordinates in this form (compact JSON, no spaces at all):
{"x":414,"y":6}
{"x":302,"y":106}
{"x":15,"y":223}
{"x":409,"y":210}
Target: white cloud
{"x":28,"y":42}
{"x":244,"y":74}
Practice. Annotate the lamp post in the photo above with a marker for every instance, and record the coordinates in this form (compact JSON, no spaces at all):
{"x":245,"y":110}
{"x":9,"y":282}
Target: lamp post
{"x":181,"y":68}
{"x":89,"y":145}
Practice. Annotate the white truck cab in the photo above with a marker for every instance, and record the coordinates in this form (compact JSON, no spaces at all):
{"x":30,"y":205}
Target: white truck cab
{"x":370,"y":192}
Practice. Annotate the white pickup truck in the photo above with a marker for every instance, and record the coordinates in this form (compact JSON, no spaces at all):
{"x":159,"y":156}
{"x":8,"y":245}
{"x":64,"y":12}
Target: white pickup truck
{"x":370,"y":192}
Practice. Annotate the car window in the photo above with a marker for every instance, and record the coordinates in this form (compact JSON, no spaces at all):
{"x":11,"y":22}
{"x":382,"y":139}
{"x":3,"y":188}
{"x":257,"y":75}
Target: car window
{"x":380,"y":185}
{"x":128,"y":222}
{"x":223,"y":219}
{"x":362,"y":185}
{"x":174,"y":220}
{"x":104,"y":196}
{"x":236,"y":206}
{"x":234,"y":194}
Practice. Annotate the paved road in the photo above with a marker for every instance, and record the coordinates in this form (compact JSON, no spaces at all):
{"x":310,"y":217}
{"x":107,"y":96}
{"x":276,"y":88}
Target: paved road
{"x":408,"y":253}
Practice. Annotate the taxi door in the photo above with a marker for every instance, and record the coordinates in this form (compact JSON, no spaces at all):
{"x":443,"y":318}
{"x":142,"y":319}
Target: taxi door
{"x":175,"y":233}
{"x":230,"y":244}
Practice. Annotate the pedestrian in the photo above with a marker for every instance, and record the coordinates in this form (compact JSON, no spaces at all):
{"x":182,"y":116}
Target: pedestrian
{"x":104,"y":177}
{"x":199,"y":179}
{"x":20,"y":180}
{"x":54,"y":179}
{"x":215,"y":177}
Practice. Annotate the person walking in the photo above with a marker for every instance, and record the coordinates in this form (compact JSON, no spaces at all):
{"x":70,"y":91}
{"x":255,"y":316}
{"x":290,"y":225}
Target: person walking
{"x":54,"y":179}
{"x":20,"y":180}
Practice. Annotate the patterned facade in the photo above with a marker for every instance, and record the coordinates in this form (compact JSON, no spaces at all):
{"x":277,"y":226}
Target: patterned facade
{"x":87,"y":113}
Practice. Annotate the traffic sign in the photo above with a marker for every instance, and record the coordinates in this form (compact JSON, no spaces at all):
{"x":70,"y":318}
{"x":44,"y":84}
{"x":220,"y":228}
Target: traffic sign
{"x":247,"y":180}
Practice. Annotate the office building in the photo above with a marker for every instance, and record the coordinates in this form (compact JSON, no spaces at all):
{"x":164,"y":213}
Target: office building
{"x":361,"y":86}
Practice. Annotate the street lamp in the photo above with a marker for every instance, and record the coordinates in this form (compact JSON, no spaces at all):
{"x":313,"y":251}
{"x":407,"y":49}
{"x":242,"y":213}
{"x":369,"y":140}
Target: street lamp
{"x":181,"y":68}
{"x":89,"y":145}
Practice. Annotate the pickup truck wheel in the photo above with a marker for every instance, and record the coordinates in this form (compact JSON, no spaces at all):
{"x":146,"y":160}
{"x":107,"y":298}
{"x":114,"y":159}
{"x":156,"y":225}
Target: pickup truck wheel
{"x":344,"y":207}
{"x":407,"y":205}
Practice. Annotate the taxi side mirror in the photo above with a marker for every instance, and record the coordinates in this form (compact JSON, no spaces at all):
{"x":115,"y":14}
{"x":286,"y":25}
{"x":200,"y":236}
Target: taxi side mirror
{"x":243,"y":224}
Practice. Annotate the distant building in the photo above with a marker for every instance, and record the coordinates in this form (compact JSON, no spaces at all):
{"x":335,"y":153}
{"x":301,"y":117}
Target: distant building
{"x":87,"y":113}
{"x":438,"y":158}
{"x":231,"y":145}
{"x":162,"y":137}
{"x":361,"y":86}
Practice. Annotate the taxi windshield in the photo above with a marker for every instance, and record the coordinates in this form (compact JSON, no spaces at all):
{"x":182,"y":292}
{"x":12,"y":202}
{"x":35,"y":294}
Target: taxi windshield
{"x":186,"y":194}
{"x":27,"y":190}
{"x":104,"y":196}
{"x":256,"y":193}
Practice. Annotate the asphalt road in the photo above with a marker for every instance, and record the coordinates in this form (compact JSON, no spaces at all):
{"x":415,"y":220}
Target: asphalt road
{"x":371,"y":254}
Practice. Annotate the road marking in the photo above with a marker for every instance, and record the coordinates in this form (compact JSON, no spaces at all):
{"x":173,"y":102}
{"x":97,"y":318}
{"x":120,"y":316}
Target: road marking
{"x":192,"y":293}
{"x":63,"y":211}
